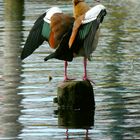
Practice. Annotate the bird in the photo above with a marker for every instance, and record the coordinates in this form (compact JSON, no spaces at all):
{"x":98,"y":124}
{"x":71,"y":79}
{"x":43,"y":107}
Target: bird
{"x":70,"y":36}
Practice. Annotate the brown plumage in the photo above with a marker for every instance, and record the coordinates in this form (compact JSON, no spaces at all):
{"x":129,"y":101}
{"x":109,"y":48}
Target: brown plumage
{"x":58,"y":30}
{"x":79,"y":8}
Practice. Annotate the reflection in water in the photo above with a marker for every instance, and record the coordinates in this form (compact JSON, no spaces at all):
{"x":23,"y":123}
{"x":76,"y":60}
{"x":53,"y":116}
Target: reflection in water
{"x":71,"y":119}
{"x":115,"y":84}
{"x":114,"y":73}
{"x":75,"y":119}
{"x":10,"y":111}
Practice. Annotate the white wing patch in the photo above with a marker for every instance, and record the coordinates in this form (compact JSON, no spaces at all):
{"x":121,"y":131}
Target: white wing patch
{"x":50,"y":12}
{"x":93,"y":13}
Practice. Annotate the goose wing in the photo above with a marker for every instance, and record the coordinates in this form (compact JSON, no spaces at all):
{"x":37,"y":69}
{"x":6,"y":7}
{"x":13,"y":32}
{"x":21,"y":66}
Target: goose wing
{"x":50,"y":26}
{"x":35,"y":38}
{"x":61,"y":29}
{"x":85,"y":30}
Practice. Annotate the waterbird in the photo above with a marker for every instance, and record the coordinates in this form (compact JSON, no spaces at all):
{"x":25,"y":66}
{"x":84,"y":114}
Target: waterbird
{"x":70,"y":36}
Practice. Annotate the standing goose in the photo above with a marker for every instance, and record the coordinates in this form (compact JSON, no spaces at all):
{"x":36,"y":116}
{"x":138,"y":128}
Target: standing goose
{"x":70,"y":36}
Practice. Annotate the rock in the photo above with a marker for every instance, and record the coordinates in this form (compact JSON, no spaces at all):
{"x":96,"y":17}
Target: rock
{"x":77,"y":95}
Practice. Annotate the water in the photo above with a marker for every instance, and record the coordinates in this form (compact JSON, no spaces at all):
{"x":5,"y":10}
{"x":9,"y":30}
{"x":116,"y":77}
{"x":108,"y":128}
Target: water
{"x":27,"y":110}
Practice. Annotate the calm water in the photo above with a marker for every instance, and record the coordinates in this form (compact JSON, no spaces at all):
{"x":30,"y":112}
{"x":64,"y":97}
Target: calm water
{"x":27,"y":111}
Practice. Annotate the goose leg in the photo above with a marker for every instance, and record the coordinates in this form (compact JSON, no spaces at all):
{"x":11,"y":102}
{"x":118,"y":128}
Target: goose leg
{"x":65,"y":72}
{"x":85,"y":71}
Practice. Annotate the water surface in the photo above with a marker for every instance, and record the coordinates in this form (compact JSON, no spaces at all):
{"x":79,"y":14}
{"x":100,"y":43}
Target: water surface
{"x":27,"y":110}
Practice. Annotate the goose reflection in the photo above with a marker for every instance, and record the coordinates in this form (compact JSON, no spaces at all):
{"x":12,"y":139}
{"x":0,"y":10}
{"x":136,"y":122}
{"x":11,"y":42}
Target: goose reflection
{"x":75,"y":119}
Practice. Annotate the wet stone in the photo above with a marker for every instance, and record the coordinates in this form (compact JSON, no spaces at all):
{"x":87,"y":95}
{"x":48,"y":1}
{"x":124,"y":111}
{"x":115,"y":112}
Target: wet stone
{"x":77,"y":95}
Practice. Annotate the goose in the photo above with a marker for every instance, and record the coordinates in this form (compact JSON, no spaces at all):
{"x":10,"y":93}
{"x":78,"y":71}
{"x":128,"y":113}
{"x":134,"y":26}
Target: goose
{"x":70,"y":36}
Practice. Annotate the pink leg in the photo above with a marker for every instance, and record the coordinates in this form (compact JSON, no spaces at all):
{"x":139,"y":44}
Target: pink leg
{"x":85,"y":71}
{"x":65,"y":72}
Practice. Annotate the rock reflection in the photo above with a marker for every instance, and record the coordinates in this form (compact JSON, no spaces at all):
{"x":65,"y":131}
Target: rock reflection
{"x":10,"y":110}
{"x":75,"y":119}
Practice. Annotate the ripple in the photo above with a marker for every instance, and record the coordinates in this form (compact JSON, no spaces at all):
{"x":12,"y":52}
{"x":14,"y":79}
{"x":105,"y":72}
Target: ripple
{"x":27,"y":109}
